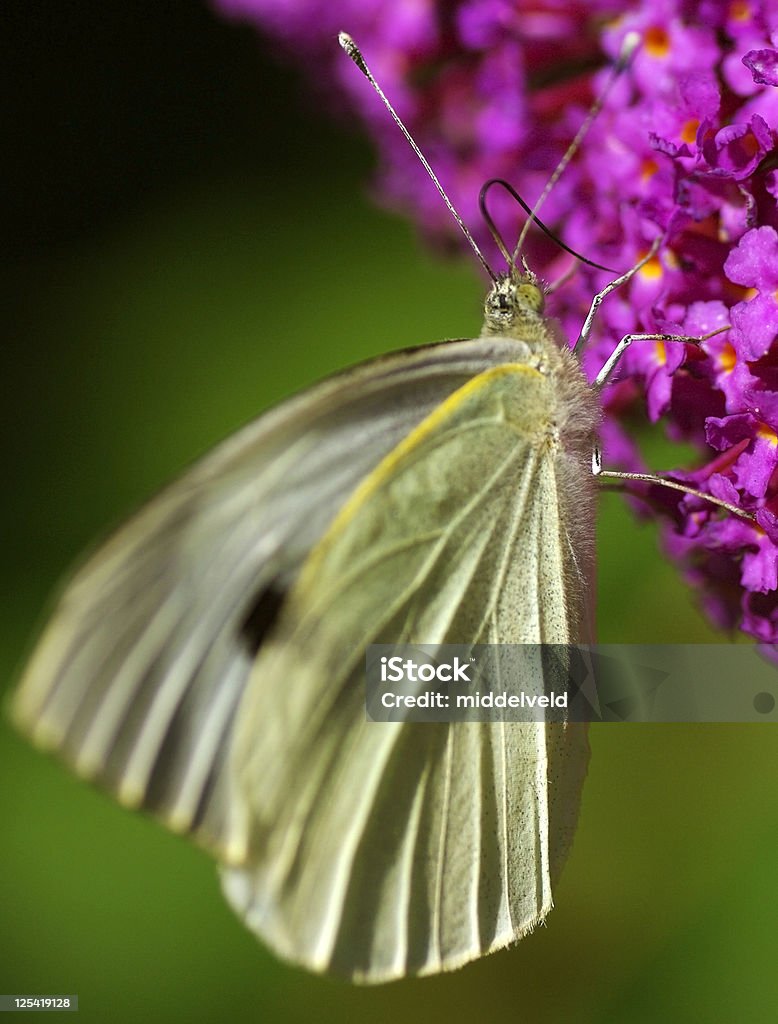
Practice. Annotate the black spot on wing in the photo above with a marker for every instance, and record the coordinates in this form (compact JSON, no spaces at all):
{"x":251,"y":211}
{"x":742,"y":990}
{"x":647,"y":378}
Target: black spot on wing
{"x":262,"y":616}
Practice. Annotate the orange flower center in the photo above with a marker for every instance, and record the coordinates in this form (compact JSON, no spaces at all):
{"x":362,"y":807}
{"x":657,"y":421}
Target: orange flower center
{"x":767,"y":434}
{"x":652,"y":270}
{"x":727,"y":358}
{"x":689,"y":131}
{"x":739,"y":11}
{"x":657,"y":41}
{"x":648,"y":169}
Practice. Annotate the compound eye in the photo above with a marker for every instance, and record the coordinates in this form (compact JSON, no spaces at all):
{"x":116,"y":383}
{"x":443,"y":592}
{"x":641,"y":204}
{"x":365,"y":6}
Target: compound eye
{"x":530,"y":296}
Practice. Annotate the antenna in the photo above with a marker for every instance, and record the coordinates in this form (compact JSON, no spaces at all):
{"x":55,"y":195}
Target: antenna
{"x":355,"y":53}
{"x":630,"y":44}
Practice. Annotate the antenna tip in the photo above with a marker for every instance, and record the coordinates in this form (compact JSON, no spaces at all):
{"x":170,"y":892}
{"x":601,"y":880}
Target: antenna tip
{"x":353,"y":51}
{"x":629,"y":44}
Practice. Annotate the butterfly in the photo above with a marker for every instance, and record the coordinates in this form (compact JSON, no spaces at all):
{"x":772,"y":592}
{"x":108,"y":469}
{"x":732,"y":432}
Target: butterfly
{"x":206,"y":664}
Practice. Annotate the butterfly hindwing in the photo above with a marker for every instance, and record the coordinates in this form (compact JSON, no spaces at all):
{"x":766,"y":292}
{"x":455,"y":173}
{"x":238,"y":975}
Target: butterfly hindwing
{"x":385,"y":849}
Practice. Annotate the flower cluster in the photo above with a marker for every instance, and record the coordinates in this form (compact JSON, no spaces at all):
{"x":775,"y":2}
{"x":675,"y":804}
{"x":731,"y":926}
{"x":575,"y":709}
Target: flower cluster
{"x":685,"y":149}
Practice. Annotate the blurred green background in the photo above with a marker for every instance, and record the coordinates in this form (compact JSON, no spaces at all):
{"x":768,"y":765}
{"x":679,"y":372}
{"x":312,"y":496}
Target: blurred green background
{"x":188,"y":240}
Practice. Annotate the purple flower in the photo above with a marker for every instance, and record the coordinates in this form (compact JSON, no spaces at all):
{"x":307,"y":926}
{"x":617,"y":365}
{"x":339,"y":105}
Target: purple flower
{"x":755,"y":465}
{"x":763,"y":65}
{"x":737,"y":150}
{"x":686,"y":148}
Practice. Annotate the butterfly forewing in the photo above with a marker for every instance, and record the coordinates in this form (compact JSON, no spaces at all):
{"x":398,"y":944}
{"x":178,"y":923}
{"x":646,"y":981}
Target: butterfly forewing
{"x":137,"y":676}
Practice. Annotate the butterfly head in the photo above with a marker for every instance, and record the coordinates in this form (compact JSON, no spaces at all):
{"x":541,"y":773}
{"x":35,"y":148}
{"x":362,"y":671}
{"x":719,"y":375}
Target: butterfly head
{"x":514,"y":300}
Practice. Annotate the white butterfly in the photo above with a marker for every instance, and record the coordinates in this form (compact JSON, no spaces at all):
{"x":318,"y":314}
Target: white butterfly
{"x":207,"y":663}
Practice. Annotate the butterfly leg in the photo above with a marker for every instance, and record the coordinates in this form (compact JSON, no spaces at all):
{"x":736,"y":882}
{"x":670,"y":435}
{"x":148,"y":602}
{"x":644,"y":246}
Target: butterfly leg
{"x":588,"y":323}
{"x":603,"y":376}
{"x":662,"y":481}
{"x":610,"y":365}
{"x":652,"y":478}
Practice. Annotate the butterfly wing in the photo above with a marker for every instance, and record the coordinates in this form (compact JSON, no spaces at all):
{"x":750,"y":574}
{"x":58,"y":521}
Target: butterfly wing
{"x":136,"y":678}
{"x":379,"y":850}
